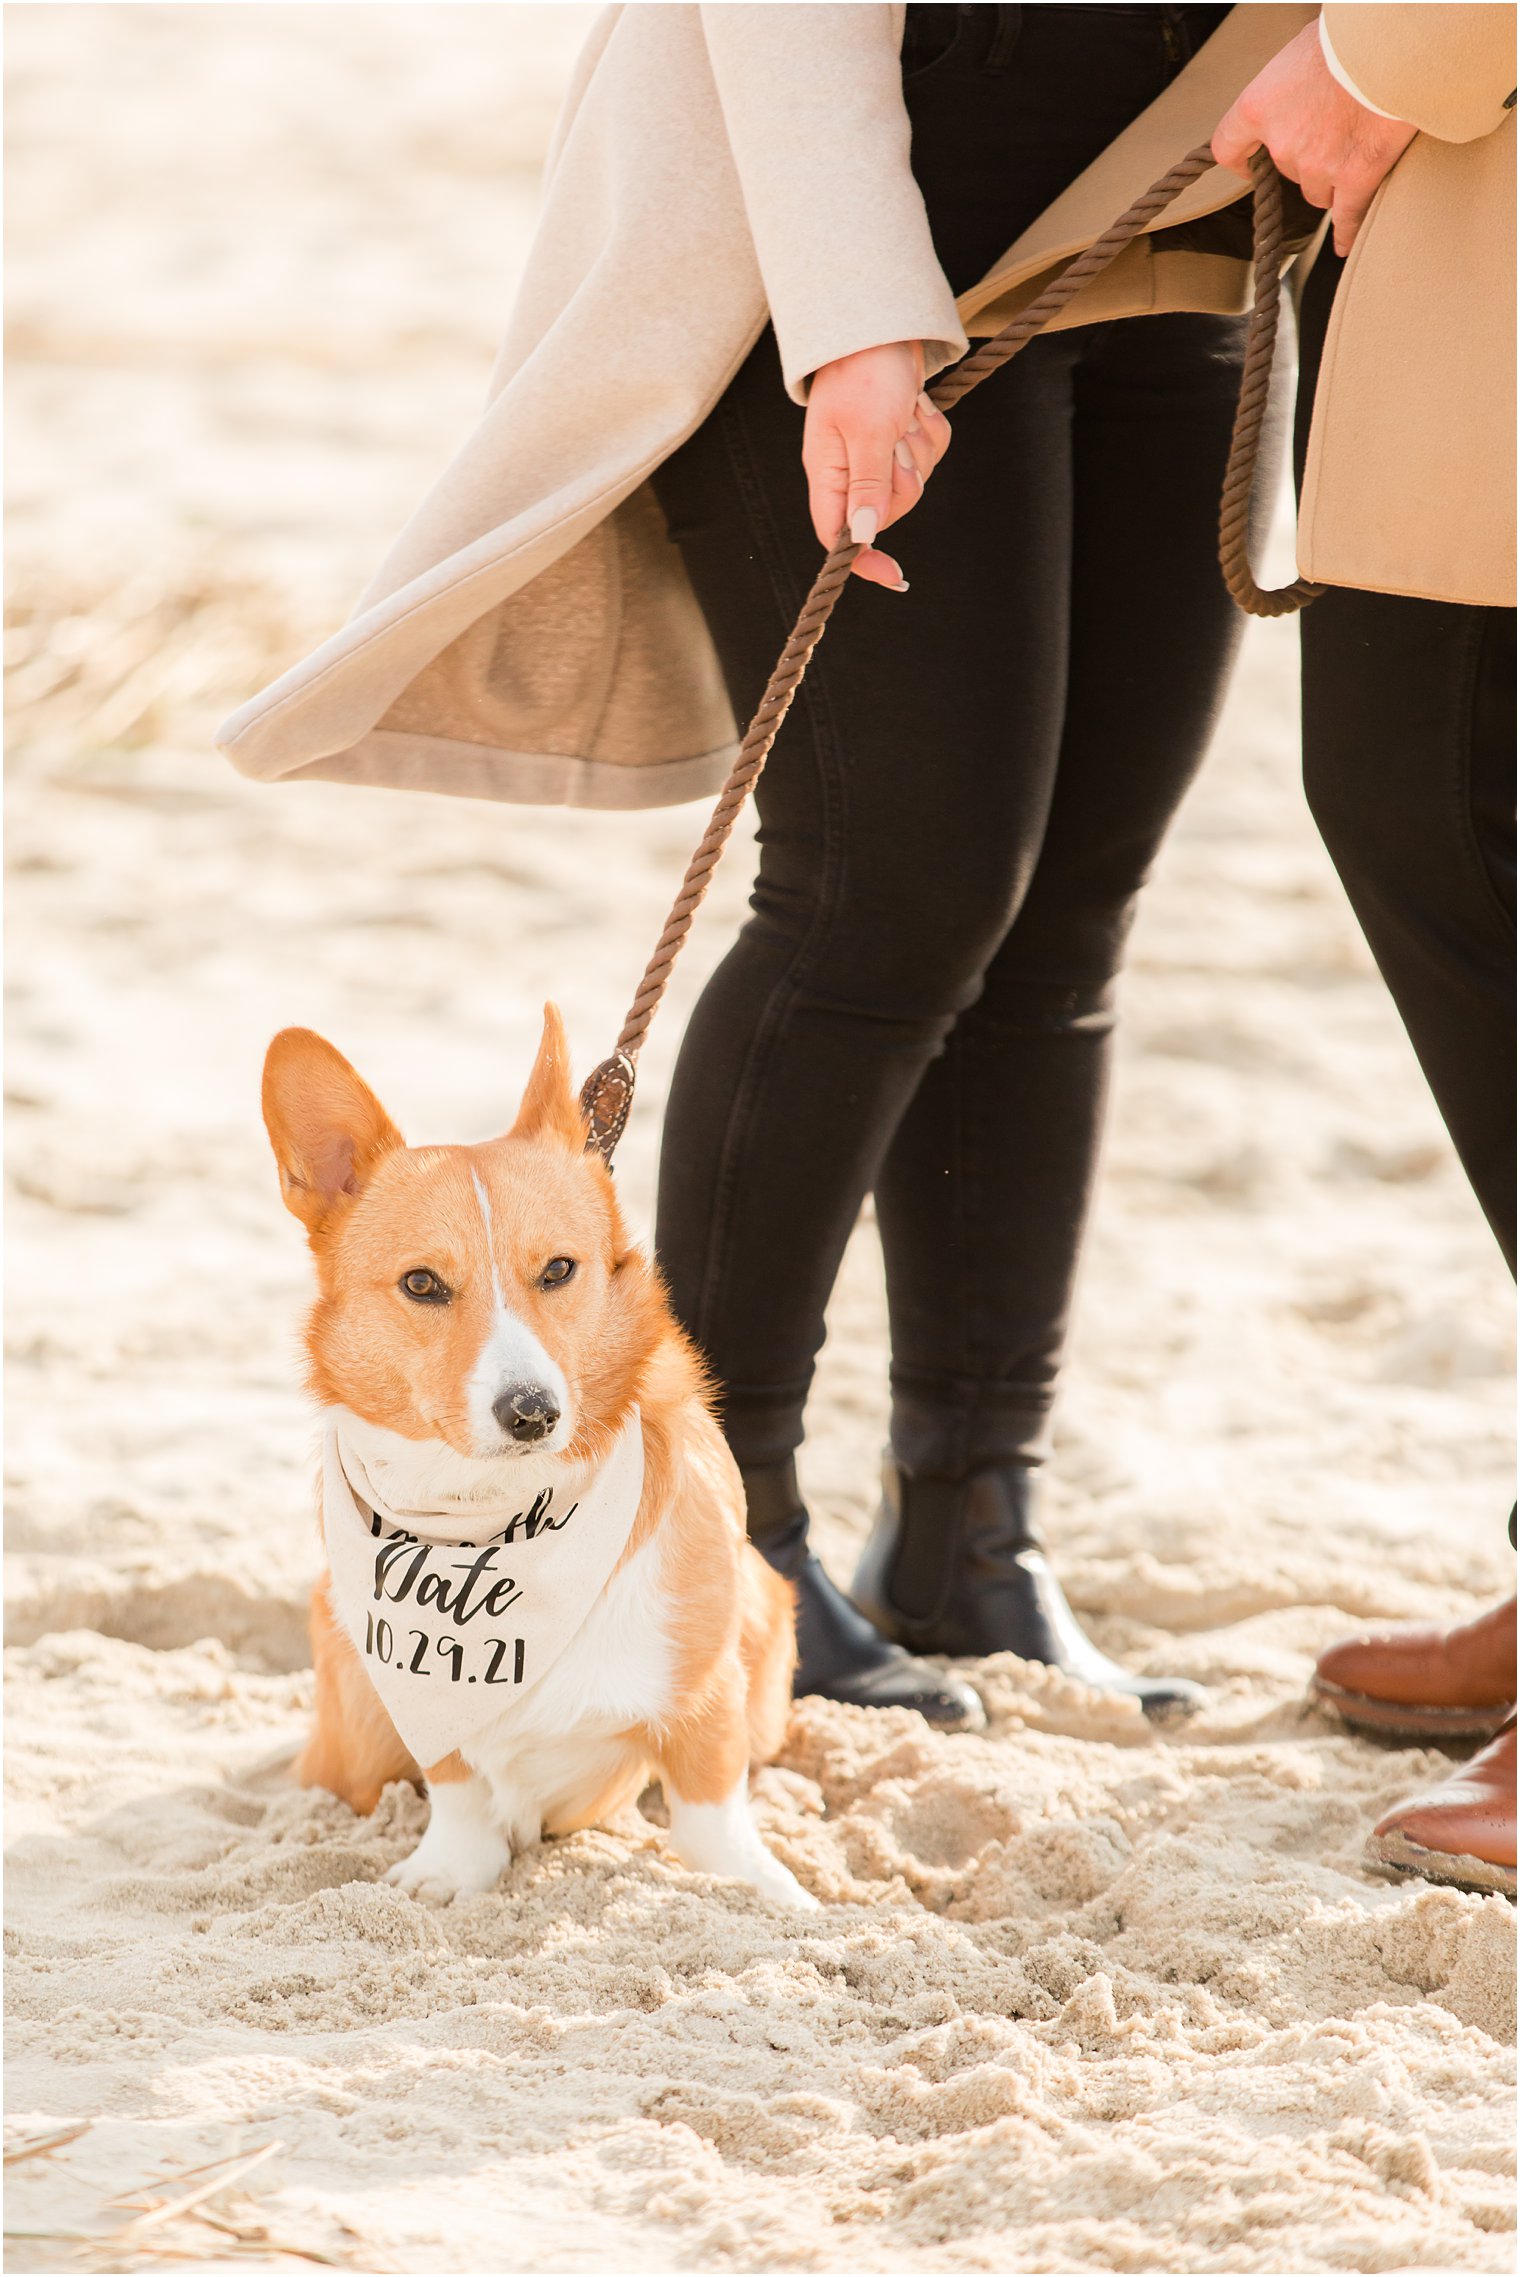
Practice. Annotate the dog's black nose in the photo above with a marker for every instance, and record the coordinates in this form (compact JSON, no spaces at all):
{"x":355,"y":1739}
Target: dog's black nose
{"x":526,"y":1412}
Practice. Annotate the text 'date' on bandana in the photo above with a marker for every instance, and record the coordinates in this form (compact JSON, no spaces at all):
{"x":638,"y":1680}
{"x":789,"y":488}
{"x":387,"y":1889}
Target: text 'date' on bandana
{"x":455,"y":1611}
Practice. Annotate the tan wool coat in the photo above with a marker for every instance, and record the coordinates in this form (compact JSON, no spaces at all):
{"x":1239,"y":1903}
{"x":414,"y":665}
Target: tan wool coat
{"x":1410,"y":483}
{"x":531,"y":635}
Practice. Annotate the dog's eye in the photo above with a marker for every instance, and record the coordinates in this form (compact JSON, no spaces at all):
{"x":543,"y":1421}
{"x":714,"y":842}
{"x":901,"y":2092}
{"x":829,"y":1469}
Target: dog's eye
{"x":423,"y":1287}
{"x":556,"y":1273}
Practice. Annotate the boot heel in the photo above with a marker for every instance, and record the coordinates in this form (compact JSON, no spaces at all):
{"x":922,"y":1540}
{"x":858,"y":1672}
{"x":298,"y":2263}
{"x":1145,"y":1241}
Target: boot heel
{"x":869,"y":1589}
{"x":906,"y":1570}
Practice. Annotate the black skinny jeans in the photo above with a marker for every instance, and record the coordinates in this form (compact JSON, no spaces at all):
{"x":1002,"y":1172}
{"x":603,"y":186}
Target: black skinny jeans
{"x":1409,"y":764}
{"x":964,"y":802}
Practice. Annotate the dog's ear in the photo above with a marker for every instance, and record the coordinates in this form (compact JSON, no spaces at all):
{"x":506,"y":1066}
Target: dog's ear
{"x":328,"y":1130}
{"x":550,"y":1107}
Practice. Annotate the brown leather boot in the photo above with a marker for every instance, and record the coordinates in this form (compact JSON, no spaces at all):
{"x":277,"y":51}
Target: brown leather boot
{"x":1423,"y":1683}
{"x":1462,"y":1831}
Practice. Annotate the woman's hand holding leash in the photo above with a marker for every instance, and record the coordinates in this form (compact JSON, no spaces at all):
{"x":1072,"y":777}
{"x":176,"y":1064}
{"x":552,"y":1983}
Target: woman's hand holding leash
{"x":1316,"y":132}
{"x":871,"y":440}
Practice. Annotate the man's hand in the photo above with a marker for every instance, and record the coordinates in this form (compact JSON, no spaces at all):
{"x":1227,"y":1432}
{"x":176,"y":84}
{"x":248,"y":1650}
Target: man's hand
{"x":871,"y":440}
{"x":1319,"y":136}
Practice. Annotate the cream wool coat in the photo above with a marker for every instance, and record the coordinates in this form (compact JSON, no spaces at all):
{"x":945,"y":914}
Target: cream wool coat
{"x":532,"y":636}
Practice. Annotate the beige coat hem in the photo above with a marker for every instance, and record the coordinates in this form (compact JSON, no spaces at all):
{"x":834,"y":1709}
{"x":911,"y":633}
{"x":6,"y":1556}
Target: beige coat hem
{"x":518,"y":778}
{"x":452,"y":597}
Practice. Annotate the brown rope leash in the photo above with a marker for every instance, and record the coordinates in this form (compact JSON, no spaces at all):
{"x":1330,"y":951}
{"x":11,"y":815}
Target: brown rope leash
{"x":607,"y":1093}
{"x":1267,"y":233}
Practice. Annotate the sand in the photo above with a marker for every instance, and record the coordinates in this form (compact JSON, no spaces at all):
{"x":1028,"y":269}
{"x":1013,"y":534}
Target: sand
{"x":1082,"y":1996}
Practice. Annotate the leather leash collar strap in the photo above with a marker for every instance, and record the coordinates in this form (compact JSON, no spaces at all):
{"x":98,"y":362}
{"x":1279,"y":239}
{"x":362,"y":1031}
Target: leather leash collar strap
{"x":607,"y":1094}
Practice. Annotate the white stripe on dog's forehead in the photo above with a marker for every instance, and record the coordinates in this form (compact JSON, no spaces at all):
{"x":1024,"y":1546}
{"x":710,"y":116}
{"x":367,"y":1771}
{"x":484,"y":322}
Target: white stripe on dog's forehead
{"x":485,"y":1211}
{"x":509,"y":1353}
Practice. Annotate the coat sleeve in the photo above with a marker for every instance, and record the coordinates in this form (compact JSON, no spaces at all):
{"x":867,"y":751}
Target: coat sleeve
{"x":1445,"y":66}
{"x":812,"y":104}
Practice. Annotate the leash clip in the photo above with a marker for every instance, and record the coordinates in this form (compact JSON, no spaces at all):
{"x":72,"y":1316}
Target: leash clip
{"x":606,"y":1097}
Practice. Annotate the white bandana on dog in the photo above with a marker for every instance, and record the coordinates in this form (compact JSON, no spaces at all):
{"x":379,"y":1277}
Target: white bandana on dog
{"x":448,"y":1607}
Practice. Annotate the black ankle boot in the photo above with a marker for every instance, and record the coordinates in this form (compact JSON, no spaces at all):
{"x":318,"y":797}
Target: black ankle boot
{"x":839,"y":1654}
{"x":956,"y":1566}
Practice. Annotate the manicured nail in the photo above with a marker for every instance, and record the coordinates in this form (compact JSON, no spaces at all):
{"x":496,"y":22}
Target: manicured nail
{"x":901,"y":587}
{"x":923,"y":404}
{"x":904,"y":457}
{"x":864,"y":524}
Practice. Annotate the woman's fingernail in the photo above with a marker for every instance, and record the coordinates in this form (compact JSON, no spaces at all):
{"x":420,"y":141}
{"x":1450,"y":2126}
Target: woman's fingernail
{"x":900,"y":587}
{"x":904,"y":457}
{"x":924,"y":404}
{"x":864,"y":524}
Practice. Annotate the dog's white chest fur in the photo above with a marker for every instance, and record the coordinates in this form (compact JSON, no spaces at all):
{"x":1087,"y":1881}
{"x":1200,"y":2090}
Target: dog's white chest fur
{"x":551,"y":1752}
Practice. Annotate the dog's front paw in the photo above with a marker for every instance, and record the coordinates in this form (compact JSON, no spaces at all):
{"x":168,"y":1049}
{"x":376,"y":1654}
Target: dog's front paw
{"x":451,"y":1862}
{"x":780,"y":1884}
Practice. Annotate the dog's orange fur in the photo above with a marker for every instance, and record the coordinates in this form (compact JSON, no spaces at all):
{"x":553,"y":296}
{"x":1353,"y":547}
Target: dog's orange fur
{"x":374,"y":1210}
{"x":355,"y":1751}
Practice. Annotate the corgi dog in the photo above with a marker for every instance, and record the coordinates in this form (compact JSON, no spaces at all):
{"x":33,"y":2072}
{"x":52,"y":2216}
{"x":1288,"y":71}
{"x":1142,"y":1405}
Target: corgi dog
{"x":525,"y":1491}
